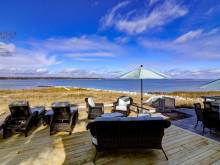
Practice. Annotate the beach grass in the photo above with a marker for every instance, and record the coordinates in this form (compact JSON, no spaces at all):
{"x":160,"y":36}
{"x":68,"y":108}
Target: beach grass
{"x":45,"y":96}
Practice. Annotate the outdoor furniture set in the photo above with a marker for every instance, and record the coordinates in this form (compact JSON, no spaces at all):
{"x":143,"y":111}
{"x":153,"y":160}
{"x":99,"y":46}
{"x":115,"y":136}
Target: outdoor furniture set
{"x":109,"y":130}
{"x":117,"y":131}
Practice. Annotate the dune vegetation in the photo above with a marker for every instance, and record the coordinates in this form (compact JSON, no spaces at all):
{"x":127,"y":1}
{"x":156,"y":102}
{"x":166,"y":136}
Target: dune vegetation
{"x":45,"y":96}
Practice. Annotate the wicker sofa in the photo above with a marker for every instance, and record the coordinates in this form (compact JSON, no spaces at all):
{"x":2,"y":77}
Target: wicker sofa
{"x":129,"y":132}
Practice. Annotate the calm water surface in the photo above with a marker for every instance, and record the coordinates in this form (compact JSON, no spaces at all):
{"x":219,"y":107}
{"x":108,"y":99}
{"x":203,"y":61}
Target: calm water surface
{"x":109,"y":84}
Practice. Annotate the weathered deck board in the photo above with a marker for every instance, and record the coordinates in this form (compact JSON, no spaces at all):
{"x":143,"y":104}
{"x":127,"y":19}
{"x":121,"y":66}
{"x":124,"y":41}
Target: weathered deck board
{"x":181,"y":146}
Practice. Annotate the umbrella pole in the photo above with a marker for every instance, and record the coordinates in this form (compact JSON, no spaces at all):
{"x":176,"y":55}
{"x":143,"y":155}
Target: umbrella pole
{"x":141,"y":96}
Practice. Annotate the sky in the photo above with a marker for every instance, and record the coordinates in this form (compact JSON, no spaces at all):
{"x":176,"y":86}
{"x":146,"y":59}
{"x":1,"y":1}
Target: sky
{"x":97,"y":38}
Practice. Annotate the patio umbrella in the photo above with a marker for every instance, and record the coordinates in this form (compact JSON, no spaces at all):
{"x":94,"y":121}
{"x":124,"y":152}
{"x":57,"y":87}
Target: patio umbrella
{"x":141,"y":74}
{"x":214,"y":85}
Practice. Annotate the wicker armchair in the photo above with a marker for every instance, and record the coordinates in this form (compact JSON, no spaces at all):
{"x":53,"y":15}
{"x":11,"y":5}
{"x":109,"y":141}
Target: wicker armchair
{"x":210,"y":119}
{"x":63,"y":118}
{"x":207,"y":106}
{"x":122,"y":105}
{"x":161,"y":104}
{"x":127,"y":133}
{"x":22,"y":118}
{"x":199,"y":113}
{"x":94,"y":109}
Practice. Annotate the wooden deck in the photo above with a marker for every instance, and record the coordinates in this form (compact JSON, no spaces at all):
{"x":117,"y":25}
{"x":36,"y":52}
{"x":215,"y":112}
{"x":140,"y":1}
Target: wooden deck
{"x":181,"y":146}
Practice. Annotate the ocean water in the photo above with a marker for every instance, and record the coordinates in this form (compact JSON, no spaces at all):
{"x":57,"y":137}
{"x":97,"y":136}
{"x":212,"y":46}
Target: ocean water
{"x":165,"y":85}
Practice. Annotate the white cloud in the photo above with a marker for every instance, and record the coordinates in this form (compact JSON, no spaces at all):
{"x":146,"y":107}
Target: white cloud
{"x":67,"y":72}
{"x":22,"y":58}
{"x":23,"y":72}
{"x":204,"y":46}
{"x":212,"y":73}
{"x":152,"y":2}
{"x":148,"y":19}
{"x":91,"y":54}
{"x":41,"y":53}
{"x":84,"y":47}
{"x":7,"y":49}
{"x":122,"y":40}
{"x":108,"y":20}
{"x":189,"y":35}
{"x":42,"y":70}
{"x":35,"y":56}
{"x":85,"y":73}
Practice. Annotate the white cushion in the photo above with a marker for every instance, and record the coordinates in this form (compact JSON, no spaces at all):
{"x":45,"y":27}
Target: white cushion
{"x":152,"y":99}
{"x":122,"y":102}
{"x":91,"y":102}
{"x":121,"y":107}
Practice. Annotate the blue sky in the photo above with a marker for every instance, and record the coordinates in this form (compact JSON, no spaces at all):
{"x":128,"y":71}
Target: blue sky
{"x":96,"y":38}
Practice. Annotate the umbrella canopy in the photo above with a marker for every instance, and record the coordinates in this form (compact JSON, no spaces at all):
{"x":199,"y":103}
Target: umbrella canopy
{"x":214,"y":85}
{"x":141,"y":74}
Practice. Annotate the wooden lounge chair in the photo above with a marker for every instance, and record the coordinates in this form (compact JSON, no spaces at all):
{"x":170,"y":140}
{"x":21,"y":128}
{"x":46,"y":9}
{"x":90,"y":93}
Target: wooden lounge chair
{"x":63,"y":118}
{"x":128,"y":133}
{"x":22,"y":117}
{"x":122,"y":105}
{"x":94,"y":109}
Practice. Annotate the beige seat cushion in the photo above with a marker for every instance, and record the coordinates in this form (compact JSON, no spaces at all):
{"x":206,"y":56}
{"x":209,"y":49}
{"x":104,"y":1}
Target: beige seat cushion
{"x":121,"y":107}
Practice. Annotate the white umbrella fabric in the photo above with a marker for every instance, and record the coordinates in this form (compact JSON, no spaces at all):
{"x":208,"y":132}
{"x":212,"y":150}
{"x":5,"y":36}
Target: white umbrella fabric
{"x":141,"y":74}
{"x":214,"y":85}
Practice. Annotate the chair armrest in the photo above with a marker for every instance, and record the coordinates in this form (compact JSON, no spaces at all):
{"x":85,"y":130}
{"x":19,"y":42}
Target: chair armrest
{"x":6,"y":120}
{"x":38,"y":109}
{"x":89,"y":125}
{"x":71,"y":118}
{"x":51,"y":120}
{"x":114,"y":105}
{"x":34,"y":114}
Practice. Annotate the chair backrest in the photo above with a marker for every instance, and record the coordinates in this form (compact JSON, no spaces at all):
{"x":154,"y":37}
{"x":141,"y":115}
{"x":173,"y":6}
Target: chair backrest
{"x":19,"y":109}
{"x":128,"y":132}
{"x":169,"y":102}
{"x":61,"y":111}
{"x":207,"y":106}
{"x":198,"y":110}
{"x":125,"y":100}
{"x":89,"y":102}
